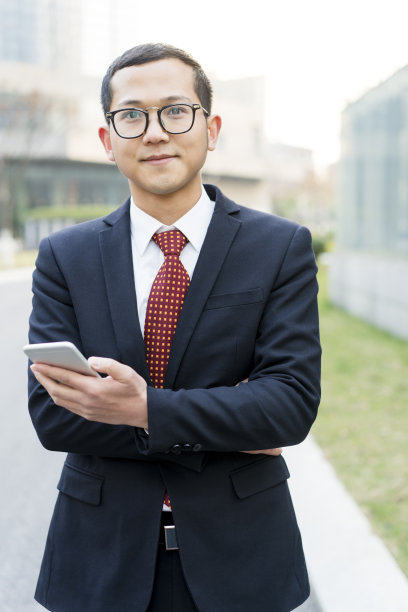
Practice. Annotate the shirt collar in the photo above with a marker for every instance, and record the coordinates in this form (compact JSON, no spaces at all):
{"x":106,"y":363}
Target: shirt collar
{"x":193,"y":224}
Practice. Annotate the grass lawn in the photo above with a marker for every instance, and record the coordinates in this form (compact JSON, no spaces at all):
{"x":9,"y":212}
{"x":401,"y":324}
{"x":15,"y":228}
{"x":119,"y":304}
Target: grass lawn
{"x":22,"y":259}
{"x":362,"y":425}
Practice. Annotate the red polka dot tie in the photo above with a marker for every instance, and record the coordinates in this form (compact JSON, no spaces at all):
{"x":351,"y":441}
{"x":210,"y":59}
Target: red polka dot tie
{"x":164,"y":306}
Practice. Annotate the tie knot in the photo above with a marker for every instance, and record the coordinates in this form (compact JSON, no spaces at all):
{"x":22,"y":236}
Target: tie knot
{"x":171,"y":242}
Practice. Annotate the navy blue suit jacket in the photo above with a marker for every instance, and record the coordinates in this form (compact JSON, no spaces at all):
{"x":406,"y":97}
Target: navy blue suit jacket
{"x":250,"y":312}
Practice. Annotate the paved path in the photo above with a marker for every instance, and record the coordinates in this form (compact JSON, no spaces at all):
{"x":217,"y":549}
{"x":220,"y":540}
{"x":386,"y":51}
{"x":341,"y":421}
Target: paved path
{"x":28,"y":472}
{"x":350,"y":567}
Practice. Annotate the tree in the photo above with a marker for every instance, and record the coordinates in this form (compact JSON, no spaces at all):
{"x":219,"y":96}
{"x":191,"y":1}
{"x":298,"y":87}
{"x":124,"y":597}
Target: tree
{"x":31,"y":125}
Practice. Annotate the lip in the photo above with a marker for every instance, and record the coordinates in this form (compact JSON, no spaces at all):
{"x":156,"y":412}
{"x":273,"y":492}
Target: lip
{"x":158,"y":160}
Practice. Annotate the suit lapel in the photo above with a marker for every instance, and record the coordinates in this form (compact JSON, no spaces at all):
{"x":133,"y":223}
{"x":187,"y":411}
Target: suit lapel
{"x":221,"y":233}
{"x":116,"y":253}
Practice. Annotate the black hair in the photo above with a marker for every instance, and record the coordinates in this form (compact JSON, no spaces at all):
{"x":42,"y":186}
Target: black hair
{"x":152,"y":52}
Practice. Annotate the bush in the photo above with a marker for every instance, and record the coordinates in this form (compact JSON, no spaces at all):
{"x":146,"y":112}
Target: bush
{"x":78,"y":213}
{"x":321,"y":244}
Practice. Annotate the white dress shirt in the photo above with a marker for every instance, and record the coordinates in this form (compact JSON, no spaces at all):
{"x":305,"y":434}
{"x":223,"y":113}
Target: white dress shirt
{"x":147,"y":256}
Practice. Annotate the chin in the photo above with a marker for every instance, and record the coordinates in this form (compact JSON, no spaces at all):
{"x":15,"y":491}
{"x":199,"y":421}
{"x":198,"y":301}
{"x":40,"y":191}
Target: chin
{"x":168,"y":188}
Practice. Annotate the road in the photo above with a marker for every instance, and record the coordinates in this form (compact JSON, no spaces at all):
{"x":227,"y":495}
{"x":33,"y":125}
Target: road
{"x":29,"y":472}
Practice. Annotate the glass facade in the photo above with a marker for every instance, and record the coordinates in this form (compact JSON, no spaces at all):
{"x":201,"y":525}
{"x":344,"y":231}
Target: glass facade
{"x":46,"y":33}
{"x":18,"y":27}
{"x":373,"y":190}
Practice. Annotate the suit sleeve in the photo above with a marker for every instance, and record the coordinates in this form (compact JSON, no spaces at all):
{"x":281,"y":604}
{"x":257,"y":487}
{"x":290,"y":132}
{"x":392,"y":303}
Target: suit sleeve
{"x":53,"y":319}
{"x":279,"y":403}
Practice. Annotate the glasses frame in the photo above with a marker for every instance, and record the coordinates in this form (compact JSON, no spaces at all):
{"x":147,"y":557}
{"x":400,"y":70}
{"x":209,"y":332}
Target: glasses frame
{"x":110,"y":116}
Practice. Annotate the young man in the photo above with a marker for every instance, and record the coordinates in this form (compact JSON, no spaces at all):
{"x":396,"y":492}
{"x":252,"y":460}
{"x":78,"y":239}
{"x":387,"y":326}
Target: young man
{"x":210,"y":359}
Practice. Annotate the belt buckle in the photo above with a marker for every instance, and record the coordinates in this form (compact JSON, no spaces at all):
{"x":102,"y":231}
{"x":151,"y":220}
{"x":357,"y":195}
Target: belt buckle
{"x":170,"y":537}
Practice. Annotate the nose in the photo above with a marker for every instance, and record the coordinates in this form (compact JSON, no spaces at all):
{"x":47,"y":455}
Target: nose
{"x":154,"y":132}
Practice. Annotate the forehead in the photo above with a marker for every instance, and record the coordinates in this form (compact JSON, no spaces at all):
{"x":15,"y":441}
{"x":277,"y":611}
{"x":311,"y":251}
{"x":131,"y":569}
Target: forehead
{"x":153,"y":82}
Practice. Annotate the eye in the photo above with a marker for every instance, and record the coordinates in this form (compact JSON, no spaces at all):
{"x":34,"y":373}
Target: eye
{"x":131,"y":114}
{"x":177,"y":110}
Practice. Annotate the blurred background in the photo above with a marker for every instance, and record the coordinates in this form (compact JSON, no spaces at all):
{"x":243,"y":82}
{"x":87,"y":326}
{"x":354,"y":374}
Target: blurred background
{"x":314,"y":101}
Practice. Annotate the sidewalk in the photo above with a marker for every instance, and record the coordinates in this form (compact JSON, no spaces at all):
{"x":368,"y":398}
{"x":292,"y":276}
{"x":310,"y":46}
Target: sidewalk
{"x":15,"y":275}
{"x":350,"y":568}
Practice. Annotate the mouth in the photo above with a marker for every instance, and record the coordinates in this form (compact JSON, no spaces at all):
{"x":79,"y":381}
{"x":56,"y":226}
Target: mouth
{"x":158,"y":160}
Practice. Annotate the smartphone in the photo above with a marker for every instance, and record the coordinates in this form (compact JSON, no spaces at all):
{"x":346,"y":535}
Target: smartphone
{"x":61,"y":354}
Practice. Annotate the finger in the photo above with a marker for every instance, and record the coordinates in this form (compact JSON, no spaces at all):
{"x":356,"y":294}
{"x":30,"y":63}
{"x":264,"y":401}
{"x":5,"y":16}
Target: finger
{"x":267,"y":451}
{"x":61,"y":375}
{"x":65,"y":387}
{"x":242,"y":381}
{"x":61,"y":394}
{"x":47,"y":377}
{"x":116,"y":370}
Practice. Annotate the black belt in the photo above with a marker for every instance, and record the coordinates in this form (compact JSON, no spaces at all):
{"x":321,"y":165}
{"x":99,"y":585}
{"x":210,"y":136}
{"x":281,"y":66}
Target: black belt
{"x":168,"y":534}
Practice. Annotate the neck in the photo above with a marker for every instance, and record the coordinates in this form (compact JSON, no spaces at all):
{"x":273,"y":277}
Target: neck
{"x":167,"y":208}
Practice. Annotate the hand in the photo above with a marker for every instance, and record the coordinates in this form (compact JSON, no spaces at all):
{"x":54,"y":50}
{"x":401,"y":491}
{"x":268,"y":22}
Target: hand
{"x":118,"y":399}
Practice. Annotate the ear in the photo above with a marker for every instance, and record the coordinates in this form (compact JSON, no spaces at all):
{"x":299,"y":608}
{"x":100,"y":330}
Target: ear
{"x":105,"y":138}
{"x":213,"y":127}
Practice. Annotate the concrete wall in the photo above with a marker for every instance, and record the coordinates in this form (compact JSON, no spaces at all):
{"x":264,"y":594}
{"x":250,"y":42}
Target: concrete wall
{"x":373,"y":287}
{"x":369,"y":272}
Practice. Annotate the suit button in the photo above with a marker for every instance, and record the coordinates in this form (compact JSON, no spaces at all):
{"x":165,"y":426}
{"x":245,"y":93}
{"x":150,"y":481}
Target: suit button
{"x":197,"y":447}
{"x":187,"y":447}
{"x":176,"y":449}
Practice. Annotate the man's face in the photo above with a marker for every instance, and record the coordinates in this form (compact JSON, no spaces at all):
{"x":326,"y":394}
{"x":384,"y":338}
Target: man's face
{"x":157,"y":162}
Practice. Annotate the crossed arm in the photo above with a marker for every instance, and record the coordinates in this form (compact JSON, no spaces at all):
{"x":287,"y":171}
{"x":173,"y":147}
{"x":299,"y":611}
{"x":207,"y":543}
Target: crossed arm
{"x":119,"y":398}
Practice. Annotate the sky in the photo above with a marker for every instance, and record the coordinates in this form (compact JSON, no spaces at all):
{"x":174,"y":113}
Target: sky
{"x":317,"y":56}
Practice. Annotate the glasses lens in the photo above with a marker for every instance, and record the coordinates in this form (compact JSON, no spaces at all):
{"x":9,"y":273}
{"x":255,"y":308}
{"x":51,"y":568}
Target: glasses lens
{"x":177,"y":118}
{"x":130,"y":122}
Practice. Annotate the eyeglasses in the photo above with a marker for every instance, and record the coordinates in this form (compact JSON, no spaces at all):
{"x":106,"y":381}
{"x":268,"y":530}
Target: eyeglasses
{"x":173,"y":118}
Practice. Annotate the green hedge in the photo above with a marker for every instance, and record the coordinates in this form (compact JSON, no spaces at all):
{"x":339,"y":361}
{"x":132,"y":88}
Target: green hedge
{"x":321,"y":244}
{"x":84,"y":212}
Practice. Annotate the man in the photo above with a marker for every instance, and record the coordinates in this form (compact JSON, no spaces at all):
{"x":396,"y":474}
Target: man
{"x":242,"y":373}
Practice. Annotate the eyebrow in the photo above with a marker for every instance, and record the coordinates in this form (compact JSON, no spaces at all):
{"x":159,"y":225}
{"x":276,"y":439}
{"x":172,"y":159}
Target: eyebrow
{"x":167,"y":99}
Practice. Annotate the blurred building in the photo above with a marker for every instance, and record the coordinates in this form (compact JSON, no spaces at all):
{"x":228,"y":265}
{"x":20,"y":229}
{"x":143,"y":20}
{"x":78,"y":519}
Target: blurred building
{"x":45,"y":33}
{"x":270,"y":176}
{"x":239,"y":165}
{"x":297,"y":191}
{"x":369,"y":270}
{"x":50,"y":154}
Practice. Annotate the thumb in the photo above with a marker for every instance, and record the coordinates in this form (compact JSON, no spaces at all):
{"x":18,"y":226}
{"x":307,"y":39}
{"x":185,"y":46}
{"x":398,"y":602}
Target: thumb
{"x":116,"y":370}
